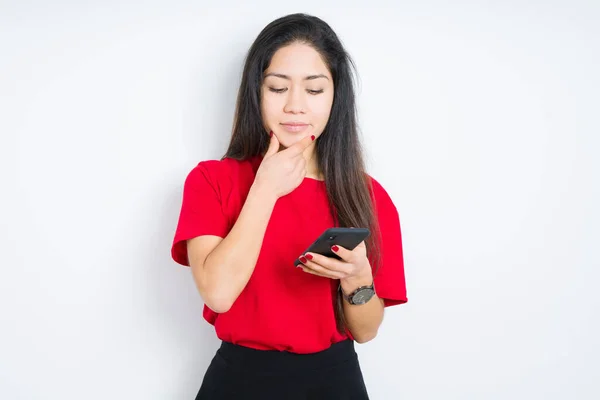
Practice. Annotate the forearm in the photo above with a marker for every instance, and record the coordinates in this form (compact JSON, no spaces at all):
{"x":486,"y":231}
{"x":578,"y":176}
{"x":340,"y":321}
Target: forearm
{"x":228,"y":267}
{"x":363,"y":320}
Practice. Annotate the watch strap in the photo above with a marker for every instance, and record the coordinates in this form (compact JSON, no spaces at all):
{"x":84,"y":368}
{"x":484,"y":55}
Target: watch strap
{"x":349,"y":298}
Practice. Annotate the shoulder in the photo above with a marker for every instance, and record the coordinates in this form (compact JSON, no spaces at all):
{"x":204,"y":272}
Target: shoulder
{"x":219,"y":170}
{"x":205,"y":172}
{"x":213,"y":167}
{"x":378,"y":192}
{"x":223,"y":176}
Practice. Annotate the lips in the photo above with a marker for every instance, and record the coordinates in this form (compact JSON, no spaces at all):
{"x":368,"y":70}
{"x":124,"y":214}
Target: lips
{"x":295,"y":126}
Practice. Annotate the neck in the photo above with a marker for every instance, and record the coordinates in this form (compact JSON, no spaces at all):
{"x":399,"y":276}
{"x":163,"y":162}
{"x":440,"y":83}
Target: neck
{"x":312,"y":169}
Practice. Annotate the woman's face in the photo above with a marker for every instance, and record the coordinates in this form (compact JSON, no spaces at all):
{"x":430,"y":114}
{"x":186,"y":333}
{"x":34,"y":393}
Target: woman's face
{"x":297,"y":94}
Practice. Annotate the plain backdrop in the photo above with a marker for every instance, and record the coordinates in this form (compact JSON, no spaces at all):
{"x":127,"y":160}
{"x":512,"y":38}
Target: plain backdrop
{"x":479,"y":118}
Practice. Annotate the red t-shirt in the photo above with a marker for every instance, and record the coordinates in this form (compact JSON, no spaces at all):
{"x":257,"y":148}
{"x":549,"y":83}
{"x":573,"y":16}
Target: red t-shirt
{"x":281,"y":307}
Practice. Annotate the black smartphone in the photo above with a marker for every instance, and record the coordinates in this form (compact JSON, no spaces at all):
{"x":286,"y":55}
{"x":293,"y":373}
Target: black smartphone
{"x":348,"y":238}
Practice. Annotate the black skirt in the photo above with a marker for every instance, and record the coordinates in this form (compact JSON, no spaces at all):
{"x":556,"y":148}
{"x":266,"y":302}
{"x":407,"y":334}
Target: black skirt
{"x":238,"y":372}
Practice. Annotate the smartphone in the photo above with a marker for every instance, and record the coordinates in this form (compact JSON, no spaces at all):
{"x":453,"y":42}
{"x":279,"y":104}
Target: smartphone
{"x":348,"y":238}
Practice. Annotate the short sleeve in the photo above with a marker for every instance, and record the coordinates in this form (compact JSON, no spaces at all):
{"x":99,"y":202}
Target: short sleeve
{"x":201,"y":210}
{"x":390,"y":282}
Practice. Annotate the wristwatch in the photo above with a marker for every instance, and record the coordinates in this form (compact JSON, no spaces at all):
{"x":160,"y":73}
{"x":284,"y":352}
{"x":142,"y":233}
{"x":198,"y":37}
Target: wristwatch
{"x":361,"y":295}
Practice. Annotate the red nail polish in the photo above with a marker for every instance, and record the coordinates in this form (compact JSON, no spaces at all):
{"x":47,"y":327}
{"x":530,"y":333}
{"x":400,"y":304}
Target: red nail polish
{"x":303,"y":260}
{"x":335,"y":248}
{"x":309,"y":256}
{"x":271,"y":133}
{"x":312,"y":137}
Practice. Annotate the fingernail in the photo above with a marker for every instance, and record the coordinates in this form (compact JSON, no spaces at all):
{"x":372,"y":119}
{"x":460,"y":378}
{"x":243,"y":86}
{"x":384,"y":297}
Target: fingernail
{"x":309,"y":256}
{"x":335,"y":248}
{"x":303,"y":260}
{"x":312,"y":137}
{"x":271,"y":133}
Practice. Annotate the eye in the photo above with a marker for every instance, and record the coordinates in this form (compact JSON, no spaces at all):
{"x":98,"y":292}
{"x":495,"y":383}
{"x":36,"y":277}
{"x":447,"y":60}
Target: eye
{"x":314,"y":92}
{"x":275,"y":90}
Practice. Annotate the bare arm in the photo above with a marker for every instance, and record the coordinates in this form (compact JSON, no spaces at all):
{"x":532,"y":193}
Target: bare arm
{"x":363,"y":320}
{"x":222,"y":267}
{"x":353,"y":271}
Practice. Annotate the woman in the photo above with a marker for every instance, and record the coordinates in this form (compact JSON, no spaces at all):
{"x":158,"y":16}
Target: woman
{"x":293,"y":168}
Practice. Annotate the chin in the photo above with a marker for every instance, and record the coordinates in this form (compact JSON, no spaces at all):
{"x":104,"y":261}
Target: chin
{"x":286,"y":139}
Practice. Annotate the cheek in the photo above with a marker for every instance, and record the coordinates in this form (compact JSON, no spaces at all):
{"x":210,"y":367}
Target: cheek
{"x":269,"y":106}
{"x":322,"y":109}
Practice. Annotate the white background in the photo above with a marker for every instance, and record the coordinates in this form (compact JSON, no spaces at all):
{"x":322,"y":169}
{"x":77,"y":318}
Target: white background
{"x":479,"y":118}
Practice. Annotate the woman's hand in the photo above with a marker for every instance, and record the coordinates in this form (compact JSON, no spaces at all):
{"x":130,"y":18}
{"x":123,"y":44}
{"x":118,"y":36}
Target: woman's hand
{"x":280,"y":172}
{"x":354,"y":265}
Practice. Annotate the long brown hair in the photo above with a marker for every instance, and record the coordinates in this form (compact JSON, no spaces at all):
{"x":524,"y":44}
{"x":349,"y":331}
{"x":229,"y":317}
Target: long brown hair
{"x":339,"y":153}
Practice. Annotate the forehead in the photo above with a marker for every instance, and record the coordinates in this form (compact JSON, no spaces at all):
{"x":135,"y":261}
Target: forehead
{"x":297,"y":60}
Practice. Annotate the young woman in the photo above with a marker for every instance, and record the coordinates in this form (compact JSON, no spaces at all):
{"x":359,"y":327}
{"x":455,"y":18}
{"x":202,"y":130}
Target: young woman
{"x":293,"y":168}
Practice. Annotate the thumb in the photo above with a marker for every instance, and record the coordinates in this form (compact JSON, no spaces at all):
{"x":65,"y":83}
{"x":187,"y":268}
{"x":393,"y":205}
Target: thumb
{"x":273,"y":146}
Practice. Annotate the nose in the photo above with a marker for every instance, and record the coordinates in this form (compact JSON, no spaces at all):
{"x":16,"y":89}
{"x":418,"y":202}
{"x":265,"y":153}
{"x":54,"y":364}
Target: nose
{"x":295,"y":102}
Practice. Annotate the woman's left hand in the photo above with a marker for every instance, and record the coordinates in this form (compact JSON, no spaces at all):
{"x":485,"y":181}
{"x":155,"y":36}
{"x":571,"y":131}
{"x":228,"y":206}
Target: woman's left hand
{"x":353,"y":263}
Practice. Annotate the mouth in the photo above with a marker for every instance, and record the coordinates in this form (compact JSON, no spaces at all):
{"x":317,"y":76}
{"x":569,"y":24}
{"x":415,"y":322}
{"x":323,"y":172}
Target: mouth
{"x":294,"y":126}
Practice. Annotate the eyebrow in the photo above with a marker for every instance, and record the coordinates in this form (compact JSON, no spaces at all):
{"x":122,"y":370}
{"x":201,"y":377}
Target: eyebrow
{"x":307,"y":78}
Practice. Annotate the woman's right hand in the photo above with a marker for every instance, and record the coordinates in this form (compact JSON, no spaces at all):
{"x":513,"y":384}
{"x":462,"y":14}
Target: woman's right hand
{"x":281,"y":172}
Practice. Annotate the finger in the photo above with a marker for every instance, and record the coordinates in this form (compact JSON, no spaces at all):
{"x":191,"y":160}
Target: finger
{"x":324,"y":263}
{"x":315,"y":269}
{"x":345,"y":254}
{"x":309,"y":271}
{"x":299,"y":147}
{"x":273,"y":146}
{"x":310,"y":266}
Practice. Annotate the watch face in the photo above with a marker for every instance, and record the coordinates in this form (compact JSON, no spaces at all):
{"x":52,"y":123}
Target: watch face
{"x":362,"y":296}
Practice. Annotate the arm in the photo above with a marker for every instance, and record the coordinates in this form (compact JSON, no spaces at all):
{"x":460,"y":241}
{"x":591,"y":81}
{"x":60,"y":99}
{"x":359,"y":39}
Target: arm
{"x":353,"y":271}
{"x":363,"y":320}
{"x":222,"y":267}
